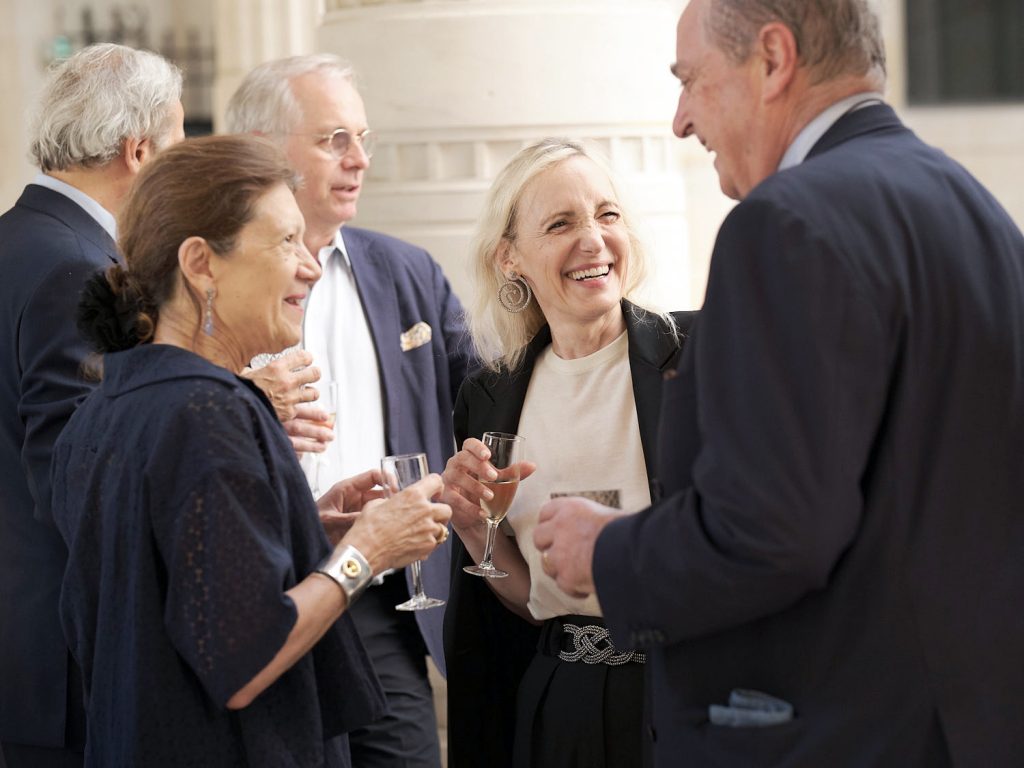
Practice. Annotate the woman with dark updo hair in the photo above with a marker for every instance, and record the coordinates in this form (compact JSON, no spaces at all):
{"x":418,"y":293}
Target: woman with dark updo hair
{"x":202,"y":598}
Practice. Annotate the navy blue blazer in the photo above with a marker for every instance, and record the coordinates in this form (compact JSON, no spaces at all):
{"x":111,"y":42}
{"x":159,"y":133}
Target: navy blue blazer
{"x":49,"y":246}
{"x":843,"y":462}
{"x":400,"y":285}
{"x":488,"y":647}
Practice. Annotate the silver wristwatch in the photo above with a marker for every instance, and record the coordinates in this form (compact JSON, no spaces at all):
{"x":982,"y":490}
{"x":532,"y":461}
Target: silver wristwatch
{"x":349,"y":570}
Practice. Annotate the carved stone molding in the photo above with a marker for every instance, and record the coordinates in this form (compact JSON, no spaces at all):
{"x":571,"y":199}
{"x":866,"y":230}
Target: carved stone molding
{"x":437,"y":161}
{"x":456,"y":87}
{"x":341,"y":5}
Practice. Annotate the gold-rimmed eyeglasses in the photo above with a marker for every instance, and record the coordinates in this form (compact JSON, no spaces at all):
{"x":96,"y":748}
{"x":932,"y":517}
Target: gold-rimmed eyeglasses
{"x":339,"y":141}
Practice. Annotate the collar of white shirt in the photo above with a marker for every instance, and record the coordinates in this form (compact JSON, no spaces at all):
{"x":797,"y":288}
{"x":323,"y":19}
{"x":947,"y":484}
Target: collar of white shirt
{"x":101,"y":215}
{"x":814,"y":130}
{"x":338,"y":243}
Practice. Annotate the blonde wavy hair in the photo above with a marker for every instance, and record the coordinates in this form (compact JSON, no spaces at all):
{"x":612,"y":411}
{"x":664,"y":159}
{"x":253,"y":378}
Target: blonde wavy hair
{"x":501,"y":337}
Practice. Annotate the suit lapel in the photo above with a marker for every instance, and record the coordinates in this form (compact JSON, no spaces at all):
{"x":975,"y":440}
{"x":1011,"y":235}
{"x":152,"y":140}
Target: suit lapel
{"x":376,"y":287}
{"x":650,"y":355}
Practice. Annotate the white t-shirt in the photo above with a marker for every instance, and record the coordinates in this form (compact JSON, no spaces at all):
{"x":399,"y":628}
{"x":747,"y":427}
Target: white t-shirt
{"x":579,"y":421}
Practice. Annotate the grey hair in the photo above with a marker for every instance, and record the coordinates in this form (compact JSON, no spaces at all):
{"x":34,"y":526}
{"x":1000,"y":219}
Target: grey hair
{"x":264,"y":102}
{"x":833,"y":37}
{"x":501,"y":337}
{"x":96,"y":99}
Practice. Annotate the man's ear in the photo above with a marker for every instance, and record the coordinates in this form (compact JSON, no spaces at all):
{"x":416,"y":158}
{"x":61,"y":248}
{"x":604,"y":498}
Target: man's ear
{"x":778,"y":58}
{"x":194,"y":261}
{"x":136,"y":153}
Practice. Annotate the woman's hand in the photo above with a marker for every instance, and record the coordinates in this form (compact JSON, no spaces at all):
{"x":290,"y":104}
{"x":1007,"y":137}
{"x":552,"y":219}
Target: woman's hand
{"x":462,"y":488}
{"x":341,"y":505}
{"x":391,"y":533}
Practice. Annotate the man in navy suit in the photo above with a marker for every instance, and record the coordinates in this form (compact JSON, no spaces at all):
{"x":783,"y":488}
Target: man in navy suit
{"x":102,"y":115}
{"x":385,"y":327}
{"x":834,"y":574}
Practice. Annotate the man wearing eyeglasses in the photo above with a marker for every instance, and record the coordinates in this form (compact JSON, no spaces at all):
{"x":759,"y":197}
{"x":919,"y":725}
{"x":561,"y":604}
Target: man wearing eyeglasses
{"x":384,"y":325}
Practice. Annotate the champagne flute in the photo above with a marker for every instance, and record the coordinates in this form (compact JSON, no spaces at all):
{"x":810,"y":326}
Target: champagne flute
{"x":328,"y":401}
{"x":400,"y":472}
{"x":506,"y":453}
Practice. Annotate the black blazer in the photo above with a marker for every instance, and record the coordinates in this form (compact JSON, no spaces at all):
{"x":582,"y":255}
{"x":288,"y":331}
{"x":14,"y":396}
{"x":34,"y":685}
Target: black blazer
{"x":49,"y":246}
{"x":487,"y":647}
{"x":844,"y":456}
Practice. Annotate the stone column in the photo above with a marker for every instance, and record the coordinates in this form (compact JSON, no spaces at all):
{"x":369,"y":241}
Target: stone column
{"x":456,"y":87}
{"x":250,"y":32}
{"x":21,"y":74}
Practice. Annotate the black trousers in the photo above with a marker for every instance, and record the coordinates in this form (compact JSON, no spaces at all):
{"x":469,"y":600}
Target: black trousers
{"x":24,"y":756}
{"x":406,"y":737}
{"x":73,"y":756}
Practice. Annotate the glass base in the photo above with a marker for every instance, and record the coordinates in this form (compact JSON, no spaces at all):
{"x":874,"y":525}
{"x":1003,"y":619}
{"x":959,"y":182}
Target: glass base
{"x":419,"y":603}
{"x":486,"y":570}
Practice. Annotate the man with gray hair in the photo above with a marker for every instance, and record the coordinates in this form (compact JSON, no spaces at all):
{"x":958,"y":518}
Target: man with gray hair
{"x":102,"y":115}
{"x":384,"y":326}
{"x":834,"y":571}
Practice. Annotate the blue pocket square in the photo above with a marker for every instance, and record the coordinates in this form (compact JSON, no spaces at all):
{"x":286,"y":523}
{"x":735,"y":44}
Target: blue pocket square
{"x":750,"y":709}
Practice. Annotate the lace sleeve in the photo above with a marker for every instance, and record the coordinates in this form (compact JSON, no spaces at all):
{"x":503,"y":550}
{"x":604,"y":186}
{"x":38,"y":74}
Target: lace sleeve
{"x":222,"y":533}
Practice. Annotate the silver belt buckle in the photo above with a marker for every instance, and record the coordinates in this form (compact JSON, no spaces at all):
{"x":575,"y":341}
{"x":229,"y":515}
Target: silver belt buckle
{"x":592,"y":644}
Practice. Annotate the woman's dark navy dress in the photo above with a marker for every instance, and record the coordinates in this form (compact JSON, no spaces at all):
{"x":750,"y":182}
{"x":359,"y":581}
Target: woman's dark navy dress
{"x":187,"y":517}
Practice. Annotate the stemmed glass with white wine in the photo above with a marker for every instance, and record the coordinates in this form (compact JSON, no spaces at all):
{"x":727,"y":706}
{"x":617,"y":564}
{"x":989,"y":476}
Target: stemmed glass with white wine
{"x":506,"y":455}
{"x":328,"y":402}
{"x":401,"y":472}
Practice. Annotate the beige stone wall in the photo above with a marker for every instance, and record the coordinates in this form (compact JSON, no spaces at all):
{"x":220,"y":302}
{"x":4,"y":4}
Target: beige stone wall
{"x":250,"y":32}
{"x":619,"y":72}
{"x":456,"y":87}
{"x":19,"y":77}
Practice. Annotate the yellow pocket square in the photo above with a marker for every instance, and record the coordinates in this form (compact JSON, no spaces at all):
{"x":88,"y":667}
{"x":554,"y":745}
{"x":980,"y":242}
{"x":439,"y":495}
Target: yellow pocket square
{"x":416,"y":336}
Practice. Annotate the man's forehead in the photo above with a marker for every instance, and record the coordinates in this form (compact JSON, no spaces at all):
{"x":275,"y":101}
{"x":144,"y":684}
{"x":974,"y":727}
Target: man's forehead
{"x":328,"y":99}
{"x":689,"y":36}
{"x":689,"y":21}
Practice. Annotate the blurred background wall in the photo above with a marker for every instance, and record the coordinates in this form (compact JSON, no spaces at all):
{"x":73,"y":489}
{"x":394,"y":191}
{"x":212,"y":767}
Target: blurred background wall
{"x":456,"y":86}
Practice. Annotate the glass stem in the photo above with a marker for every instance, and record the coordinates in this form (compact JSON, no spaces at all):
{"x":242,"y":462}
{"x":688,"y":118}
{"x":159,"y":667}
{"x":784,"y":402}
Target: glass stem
{"x":417,"y":579}
{"x":492,"y":528}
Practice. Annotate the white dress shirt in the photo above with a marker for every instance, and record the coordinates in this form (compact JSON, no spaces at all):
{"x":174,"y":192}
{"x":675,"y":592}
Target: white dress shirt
{"x":337,"y":334}
{"x":102,"y":216}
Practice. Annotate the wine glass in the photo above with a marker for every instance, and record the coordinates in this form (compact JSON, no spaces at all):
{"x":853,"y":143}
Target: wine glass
{"x":400,"y":472}
{"x":328,"y":401}
{"x":506,"y":453}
